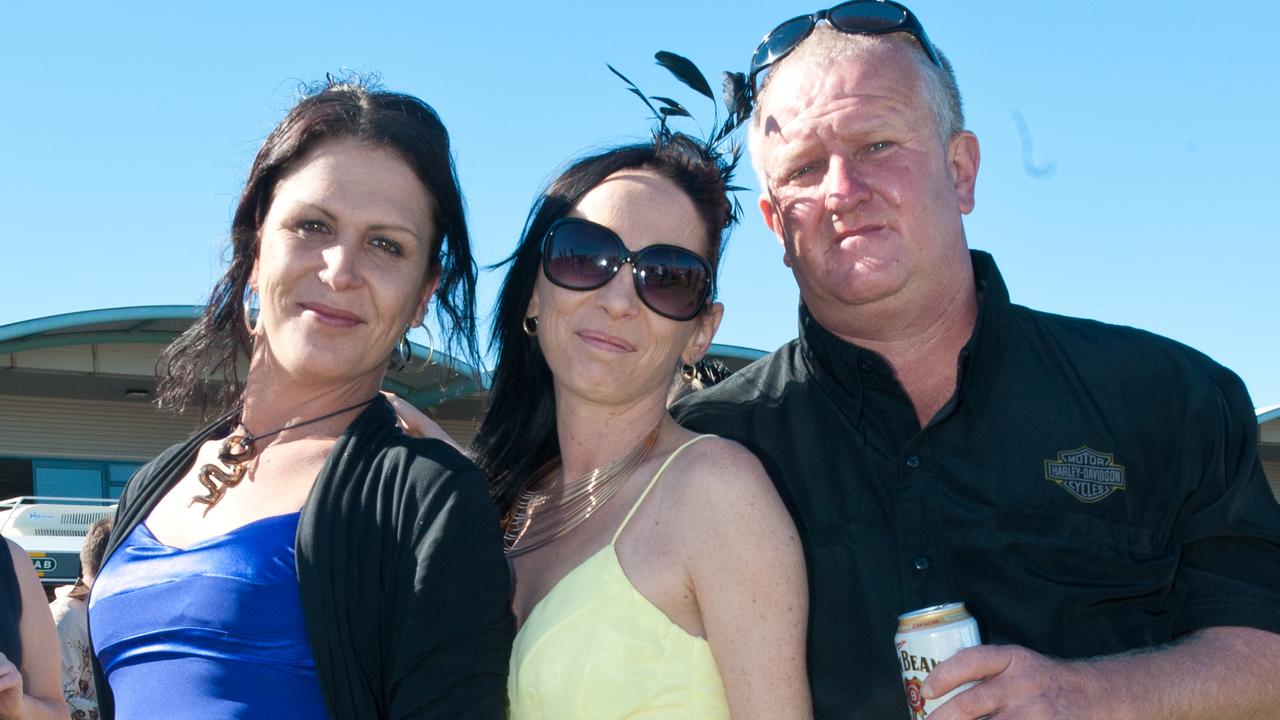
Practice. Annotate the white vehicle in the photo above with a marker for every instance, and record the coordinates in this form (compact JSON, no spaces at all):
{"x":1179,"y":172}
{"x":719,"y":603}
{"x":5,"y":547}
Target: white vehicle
{"x":51,"y":530}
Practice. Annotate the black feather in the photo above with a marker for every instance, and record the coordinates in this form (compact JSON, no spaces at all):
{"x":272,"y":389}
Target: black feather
{"x":636,"y":91}
{"x":671,"y":106}
{"x":718,"y":147}
{"x":685,"y":71}
{"x":737,"y":99}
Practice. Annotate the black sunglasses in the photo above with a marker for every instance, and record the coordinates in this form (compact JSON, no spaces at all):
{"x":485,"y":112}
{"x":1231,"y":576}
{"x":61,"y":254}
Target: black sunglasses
{"x":578,"y":254}
{"x":864,"y":17}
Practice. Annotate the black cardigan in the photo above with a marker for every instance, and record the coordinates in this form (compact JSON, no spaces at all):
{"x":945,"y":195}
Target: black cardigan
{"x":405,"y":591}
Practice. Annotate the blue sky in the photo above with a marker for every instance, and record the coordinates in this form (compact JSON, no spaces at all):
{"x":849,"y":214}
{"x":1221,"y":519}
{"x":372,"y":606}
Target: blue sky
{"x":126,"y":130}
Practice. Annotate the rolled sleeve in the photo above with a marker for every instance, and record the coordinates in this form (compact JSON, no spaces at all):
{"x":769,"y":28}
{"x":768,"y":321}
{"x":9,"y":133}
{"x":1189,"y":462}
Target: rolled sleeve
{"x":1229,"y":572}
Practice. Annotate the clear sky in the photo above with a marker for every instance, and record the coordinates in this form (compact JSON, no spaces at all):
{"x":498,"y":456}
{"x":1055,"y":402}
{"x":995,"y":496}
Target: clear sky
{"x":1130,"y":151}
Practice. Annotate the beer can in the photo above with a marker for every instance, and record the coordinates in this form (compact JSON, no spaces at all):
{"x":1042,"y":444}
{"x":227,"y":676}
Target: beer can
{"x":925,"y":638}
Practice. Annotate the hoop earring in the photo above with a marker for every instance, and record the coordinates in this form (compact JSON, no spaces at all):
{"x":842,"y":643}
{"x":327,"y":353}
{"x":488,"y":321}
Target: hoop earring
{"x":252,"y":308}
{"x":530,"y":325}
{"x":402,"y":356}
{"x":688,"y":373}
{"x":402,"y":352}
{"x":431,"y":352}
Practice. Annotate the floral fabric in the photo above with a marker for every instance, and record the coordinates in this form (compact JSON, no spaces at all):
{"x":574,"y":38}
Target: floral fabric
{"x":72,"y":619}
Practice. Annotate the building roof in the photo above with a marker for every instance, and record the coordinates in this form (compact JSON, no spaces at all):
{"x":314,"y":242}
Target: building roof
{"x":110,"y":354}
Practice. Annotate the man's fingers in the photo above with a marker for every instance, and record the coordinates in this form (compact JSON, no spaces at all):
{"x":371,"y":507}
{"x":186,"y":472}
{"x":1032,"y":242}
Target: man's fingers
{"x":980,"y":701}
{"x":969,"y":665}
{"x":10,"y":678}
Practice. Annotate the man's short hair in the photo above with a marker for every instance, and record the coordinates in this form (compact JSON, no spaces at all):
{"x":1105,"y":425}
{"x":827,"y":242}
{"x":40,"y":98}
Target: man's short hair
{"x":827,"y":45}
{"x":95,"y":544}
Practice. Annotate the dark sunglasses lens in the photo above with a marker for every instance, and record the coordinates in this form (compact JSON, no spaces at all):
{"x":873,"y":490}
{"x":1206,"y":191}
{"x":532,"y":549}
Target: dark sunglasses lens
{"x":867,"y":17}
{"x":672,"y":282}
{"x":581,"y":256}
{"x":781,"y":41}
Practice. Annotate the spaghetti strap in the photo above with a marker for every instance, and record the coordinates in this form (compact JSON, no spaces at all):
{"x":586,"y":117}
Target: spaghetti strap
{"x":654,"y":481}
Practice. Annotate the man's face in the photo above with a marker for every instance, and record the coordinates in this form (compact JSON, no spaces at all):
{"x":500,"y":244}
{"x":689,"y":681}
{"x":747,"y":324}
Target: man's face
{"x":868,"y":196}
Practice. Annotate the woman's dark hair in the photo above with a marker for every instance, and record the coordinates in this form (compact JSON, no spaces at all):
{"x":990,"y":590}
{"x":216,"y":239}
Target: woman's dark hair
{"x":518,"y":433}
{"x":202,"y":363}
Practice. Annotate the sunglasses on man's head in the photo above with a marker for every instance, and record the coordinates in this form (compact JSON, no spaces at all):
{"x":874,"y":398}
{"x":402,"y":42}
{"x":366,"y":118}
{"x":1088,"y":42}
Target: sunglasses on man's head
{"x":578,"y":254}
{"x":863,"y":17}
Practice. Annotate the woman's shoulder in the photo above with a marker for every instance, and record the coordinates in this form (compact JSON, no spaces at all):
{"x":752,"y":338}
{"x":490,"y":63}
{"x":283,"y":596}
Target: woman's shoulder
{"x":713,"y":481}
{"x":428,"y":461}
{"x":430,"y":473}
{"x":712,"y":464}
{"x":718,"y":494}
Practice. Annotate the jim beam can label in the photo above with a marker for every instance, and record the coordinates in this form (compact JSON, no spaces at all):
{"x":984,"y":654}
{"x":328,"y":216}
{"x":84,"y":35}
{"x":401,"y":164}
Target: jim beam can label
{"x":924,"y":639}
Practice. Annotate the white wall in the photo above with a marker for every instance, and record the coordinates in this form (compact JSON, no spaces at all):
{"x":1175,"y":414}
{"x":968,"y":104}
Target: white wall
{"x":41,"y":427}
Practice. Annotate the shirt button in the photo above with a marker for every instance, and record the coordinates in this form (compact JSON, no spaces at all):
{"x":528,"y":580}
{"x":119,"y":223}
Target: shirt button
{"x":913,"y":461}
{"x":864,"y":364}
{"x":922,"y":563}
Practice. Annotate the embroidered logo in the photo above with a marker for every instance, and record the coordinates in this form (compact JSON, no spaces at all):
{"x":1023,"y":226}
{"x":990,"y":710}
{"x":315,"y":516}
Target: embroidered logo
{"x":1085,"y":473}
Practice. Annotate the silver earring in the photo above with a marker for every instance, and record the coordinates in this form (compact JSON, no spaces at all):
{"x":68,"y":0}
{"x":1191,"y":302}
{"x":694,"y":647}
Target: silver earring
{"x":404,"y":350}
{"x":402,"y":356}
{"x":431,"y":352}
{"x":252,"y":308}
{"x":688,"y":373}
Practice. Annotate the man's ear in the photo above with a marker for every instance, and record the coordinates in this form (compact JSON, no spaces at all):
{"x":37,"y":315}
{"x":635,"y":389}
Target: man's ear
{"x":964,"y":155}
{"x":773,"y":221}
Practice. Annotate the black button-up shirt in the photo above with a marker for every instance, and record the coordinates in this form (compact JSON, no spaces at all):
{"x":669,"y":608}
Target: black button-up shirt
{"x":1089,"y":489}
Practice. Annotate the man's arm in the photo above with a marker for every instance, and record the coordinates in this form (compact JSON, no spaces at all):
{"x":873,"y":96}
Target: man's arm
{"x":1220,"y":672}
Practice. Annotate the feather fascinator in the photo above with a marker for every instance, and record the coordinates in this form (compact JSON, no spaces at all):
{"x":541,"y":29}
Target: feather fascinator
{"x":717,"y":145}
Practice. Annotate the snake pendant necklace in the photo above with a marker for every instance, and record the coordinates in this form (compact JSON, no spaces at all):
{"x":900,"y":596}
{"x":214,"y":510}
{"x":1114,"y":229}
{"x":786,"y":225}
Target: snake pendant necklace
{"x":236,"y":452}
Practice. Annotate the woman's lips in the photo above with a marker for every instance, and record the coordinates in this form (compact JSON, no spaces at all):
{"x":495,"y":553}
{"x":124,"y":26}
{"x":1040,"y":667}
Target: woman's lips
{"x":331,"y":315}
{"x":605,"y":341}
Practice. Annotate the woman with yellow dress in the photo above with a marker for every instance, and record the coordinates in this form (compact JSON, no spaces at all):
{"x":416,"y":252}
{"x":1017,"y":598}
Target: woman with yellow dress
{"x":657,"y":573}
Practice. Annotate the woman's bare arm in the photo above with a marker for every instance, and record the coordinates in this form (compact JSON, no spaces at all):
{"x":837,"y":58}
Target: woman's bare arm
{"x":748,"y":574}
{"x":38,"y":695}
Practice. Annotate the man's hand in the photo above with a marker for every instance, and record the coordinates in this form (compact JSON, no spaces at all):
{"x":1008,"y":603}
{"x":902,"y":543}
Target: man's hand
{"x":11,"y":697}
{"x":1218,"y":672}
{"x":1017,"y":684}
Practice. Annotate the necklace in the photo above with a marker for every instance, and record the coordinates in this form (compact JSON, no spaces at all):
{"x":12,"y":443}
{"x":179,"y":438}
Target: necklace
{"x":556,"y":516}
{"x":236,"y":452}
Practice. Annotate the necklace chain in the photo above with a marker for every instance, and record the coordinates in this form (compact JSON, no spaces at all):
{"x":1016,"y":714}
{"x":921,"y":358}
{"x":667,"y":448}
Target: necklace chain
{"x":557,"y":515}
{"x":237,"y":451}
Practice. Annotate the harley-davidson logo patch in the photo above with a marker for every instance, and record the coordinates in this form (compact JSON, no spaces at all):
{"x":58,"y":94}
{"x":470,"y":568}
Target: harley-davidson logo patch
{"x":1085,"y":473}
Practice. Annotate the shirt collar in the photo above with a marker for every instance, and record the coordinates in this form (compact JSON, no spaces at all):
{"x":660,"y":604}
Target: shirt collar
{"x":843,"y":367}
{"x":978,"y":364}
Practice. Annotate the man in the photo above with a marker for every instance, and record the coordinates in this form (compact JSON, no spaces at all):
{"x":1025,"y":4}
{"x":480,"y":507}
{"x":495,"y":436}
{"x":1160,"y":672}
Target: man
{"x":1091,"y":492}
{"x":71,"y":618}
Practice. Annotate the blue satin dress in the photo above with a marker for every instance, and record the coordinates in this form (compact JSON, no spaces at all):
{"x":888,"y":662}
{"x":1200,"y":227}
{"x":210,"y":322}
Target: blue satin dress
{"x":210,"y":631}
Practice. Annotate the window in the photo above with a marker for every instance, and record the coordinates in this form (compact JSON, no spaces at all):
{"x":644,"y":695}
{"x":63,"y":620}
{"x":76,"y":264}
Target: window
{"x":15,"y":478}
{"x":117,"y":475}
{"x":64,"y":478}
{"x":68,"y":478}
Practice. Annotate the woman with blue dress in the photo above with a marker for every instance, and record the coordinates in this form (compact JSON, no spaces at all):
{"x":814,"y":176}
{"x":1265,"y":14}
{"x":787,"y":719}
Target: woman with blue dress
{"x":301,"y":556}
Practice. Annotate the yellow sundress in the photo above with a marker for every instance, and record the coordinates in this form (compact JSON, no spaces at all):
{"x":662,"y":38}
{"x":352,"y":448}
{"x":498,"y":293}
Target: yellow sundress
{"x":594,"y":648}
